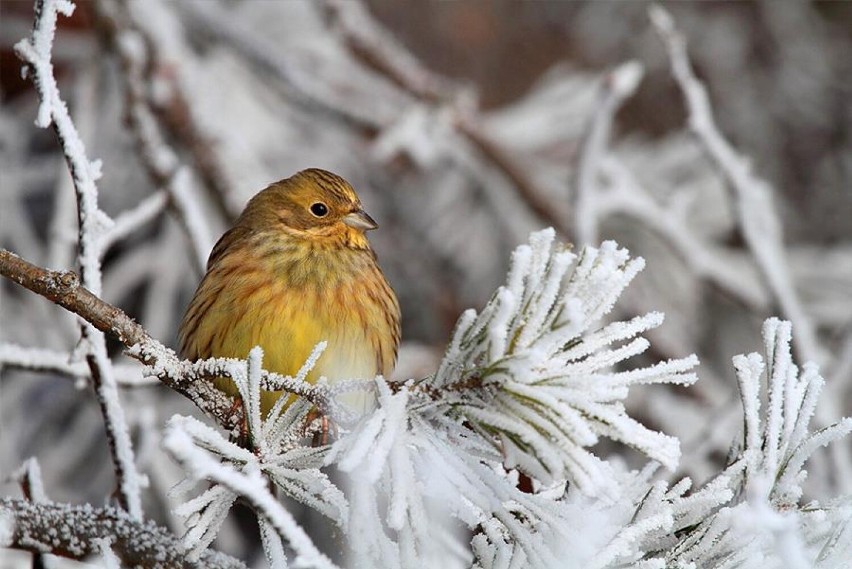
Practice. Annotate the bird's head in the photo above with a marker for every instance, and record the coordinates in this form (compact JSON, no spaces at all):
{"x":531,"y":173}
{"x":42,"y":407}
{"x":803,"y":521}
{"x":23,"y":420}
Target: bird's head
{"x":312,"y":204}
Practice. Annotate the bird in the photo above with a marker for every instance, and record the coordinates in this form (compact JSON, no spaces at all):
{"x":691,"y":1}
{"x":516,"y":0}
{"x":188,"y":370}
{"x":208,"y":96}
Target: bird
{"x":296,"y":269}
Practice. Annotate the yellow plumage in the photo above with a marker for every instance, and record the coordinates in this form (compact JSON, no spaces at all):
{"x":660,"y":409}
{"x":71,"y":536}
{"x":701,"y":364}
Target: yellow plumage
{"x":297,"y":269}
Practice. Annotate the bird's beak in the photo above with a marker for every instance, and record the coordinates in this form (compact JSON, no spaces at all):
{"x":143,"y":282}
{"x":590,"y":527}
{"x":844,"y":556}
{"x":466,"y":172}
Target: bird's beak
{"x":360,"y":220}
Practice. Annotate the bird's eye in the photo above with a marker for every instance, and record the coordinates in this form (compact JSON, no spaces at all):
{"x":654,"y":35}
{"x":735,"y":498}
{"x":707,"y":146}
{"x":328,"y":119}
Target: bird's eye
{"x":319,"y":209}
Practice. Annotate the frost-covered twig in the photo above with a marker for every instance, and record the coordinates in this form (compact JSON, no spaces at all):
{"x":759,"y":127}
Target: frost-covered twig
{"x":617,"y":86}
{"x":70,"y":531}
{"x":36,"y":54}
{"x":43,"y":359}
{"x":752,"y":195}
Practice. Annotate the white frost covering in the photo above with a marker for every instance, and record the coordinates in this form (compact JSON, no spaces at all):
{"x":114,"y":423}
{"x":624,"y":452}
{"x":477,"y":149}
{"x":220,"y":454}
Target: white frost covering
{"x":761,"y":523}
{"x":93,"y":225}
{"x":544,"y":364}
{"x":534,"y":382}
{"x":111,"y":561}
{"x":7,"y":528}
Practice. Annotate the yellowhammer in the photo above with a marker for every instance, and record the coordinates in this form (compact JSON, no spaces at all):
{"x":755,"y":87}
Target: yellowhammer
{"x":297,"y":269}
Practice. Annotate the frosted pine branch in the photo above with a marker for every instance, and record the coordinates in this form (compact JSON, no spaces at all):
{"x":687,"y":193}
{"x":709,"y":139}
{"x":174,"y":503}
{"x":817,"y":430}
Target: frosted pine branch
{"x":275,"y":452}
{"x":533,"y":371}
{"x":761,"y":522}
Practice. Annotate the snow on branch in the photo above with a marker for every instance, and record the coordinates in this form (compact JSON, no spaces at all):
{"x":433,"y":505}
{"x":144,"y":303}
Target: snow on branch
{"x":419,"y":484}
{"x":777,"y":447}
{"x":617,"y":86}
{"x":73,"y":531}
{"x":533,"y":372}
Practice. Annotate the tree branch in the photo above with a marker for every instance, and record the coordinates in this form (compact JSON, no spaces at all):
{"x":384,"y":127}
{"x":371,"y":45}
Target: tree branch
{"x":35,"y":52}
{"x":71,"y":531}
{"x":192,"y":379}
{"x":751,"y":195}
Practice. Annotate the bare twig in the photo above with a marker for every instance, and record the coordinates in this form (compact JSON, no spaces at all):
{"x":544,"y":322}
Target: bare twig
{"x":751,"y":195}
{"x":35,"y":52}
{"x":71,"y":531}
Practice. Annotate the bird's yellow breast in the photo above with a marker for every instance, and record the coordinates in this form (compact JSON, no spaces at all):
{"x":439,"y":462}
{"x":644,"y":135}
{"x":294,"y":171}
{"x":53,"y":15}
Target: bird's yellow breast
{"x":287,"y":298}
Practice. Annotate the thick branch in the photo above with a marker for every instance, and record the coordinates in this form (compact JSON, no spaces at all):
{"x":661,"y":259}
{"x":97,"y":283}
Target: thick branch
{"x":191,"y":379}
{"x":71,"y":531}
{"x":64,"y":288}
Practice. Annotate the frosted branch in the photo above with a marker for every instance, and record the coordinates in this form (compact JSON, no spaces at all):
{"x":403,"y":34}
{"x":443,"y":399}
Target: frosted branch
{"x":72,"y":532}
{"x":93,"y":223}
{"x":192,"y":379}
{"x":131,"y":220}
{"x":215,"y":23}
{"x":247,"y":482}
{"x":752,"y":196}
{"x":706,"y":260}
{"x":762,"y":514}
{"x":533,"y":374}
{"x":46,"y":360}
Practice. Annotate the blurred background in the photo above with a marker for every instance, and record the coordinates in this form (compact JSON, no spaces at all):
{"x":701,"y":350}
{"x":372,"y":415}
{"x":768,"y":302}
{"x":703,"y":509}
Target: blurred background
{"x":463,"y":126}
